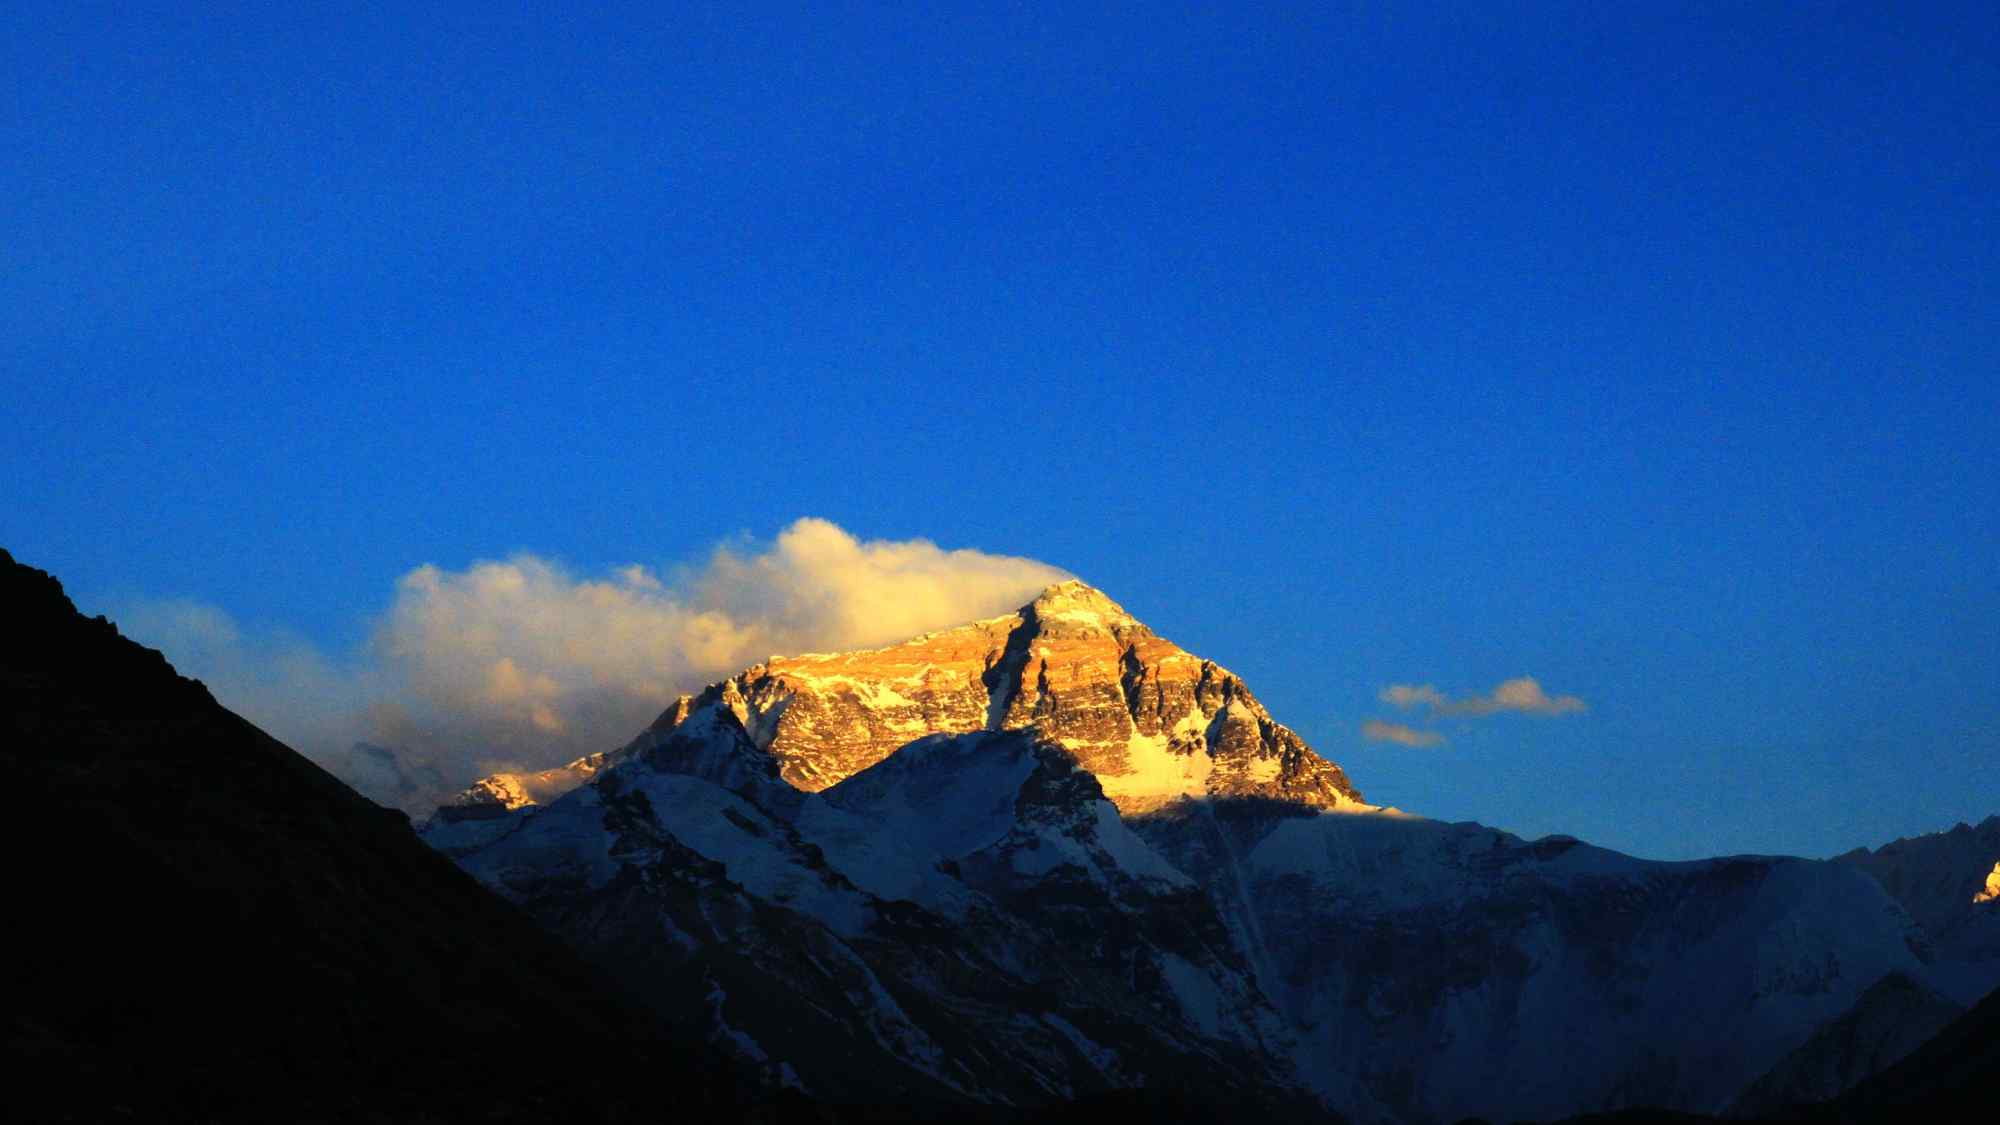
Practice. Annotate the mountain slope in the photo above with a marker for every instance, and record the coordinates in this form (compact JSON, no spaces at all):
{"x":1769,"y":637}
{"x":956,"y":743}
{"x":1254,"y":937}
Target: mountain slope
{"x":1893,"y":1018}
{"x":1435,"y":971}
{"x":208,"y":927}
{"x":968,"y":921}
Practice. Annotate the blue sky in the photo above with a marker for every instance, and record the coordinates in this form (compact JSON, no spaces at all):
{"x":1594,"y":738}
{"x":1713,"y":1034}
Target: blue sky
{"x":1650,"y":354}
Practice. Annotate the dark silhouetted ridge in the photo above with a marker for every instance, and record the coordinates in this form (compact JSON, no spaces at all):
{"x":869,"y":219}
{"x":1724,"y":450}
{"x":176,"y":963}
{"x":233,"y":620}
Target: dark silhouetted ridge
{"x":206,"y":926}
{"x":1954,"y":1078}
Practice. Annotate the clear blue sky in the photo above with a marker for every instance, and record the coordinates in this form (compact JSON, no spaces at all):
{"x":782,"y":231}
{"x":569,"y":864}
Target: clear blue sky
{"x":1655,"y":355}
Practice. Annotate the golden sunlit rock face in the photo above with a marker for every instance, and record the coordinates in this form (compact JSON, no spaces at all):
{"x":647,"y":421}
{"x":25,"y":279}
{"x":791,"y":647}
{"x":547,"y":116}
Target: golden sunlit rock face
{"x":1992,"y":891}
{"x":1153,"y":722}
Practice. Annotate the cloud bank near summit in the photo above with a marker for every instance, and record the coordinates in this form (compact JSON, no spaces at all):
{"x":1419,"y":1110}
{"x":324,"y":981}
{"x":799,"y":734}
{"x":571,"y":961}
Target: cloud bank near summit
{"x":521,"y":664}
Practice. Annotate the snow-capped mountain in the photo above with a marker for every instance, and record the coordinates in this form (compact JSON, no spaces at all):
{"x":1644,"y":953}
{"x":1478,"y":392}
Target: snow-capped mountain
{"x":1052,"y":853}
{"x":1151,"y":721}
{"x":1435,"y":971}
{"x":967,"y":920}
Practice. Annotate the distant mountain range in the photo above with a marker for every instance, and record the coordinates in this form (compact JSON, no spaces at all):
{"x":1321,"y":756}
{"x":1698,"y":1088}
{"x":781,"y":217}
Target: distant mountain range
{"x":1043,"y":867}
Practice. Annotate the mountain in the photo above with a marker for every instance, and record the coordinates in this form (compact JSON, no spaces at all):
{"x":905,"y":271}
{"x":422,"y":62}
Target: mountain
{"x":206,"y":926}
{"x":1436,"y":971}
{"x":1950,"y":884}
{"x":1947,"y":1081}
{"x":1153,"y":723}
{"x":1052,"y":854}
{"x":1894,"y":1017}
{"x":967,"y":921}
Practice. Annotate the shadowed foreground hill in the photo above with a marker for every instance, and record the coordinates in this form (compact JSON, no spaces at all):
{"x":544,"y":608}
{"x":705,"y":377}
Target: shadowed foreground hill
{"x":207,"y":926}
{"x":1949,"y":1080}
{"x":1953,"y":1078}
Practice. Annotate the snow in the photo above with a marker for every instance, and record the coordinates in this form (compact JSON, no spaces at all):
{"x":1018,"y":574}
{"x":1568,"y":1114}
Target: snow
{"x":1076,"y":603}
{"x":950,"y":794}
{"x":874,"y":693}
{"x":1196,"y":992}
{"x":1103,"y":1058}
{"x":507,"y":790}
{"x":744,"y":1044}
{"x":1132,"y":854}
{"x":892,"y":827}
{"x":890,"y":863}
{"x":1721,"y":964}
{"x":566,"y":843}
{"x":457,"y":837}
{"x":1032,"y":857}
{"x":761,"y":723}
{"x":754,"y":848}
{"x":890,"y":1025}
{"x":1154,"y":771}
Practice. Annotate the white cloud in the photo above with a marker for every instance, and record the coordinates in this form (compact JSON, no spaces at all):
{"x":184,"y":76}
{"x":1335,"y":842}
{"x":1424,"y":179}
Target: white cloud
{"x":1407,"y":696}
{"x":1523,"y":695}
{"x":821,"y":586}
{"x":1375,"y":730}
{"x":519,"y":664}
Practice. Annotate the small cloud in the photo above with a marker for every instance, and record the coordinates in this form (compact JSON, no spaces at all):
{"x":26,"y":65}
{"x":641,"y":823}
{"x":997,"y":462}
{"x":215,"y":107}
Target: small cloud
{"x":1526,"y":696}
{"x":639,"y":578}
{"x":1522,"y":695}
{"x":1375,"y":730}
{"x":1407,"y":696}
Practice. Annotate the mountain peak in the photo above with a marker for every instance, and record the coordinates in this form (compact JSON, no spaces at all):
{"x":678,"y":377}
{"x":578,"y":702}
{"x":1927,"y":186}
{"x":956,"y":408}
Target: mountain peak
{"x":1077,"y":606}
{"x":1152,"y":722}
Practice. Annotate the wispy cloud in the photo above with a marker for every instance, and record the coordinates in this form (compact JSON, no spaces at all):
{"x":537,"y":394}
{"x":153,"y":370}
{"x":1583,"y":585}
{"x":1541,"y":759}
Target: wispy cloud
{"x":1523,"y":695}
{"x":520,"y":664}
{"x":1375,"y":730}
